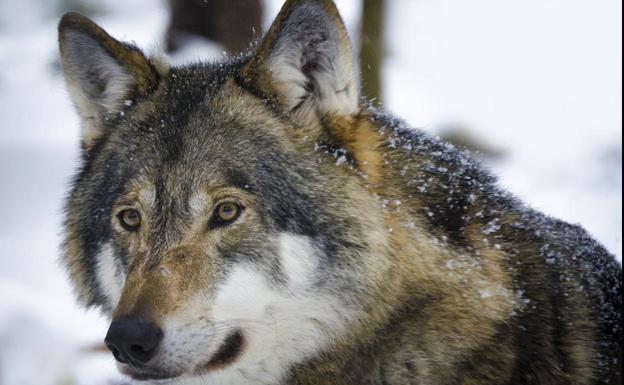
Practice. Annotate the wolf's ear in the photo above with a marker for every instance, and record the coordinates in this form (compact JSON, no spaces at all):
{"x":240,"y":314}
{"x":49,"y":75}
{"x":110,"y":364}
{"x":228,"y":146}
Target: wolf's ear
{"x":306,"y":62}
{"x":100,"y":72}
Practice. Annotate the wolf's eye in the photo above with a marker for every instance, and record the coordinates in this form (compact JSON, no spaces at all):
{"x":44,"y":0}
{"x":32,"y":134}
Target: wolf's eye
{"x":130,"y":219}
{"x":225,"y":213}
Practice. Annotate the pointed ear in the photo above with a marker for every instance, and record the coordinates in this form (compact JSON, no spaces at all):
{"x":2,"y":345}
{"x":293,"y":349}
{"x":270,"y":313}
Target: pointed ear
{"x":101,"y":73}
{"x":306,"y":63}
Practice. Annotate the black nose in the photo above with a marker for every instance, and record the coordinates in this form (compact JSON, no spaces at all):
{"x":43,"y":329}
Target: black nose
{"x":133,"y":340}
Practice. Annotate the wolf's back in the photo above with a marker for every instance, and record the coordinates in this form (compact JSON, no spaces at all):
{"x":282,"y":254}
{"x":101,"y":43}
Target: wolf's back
{"x":567,"y":328}
{"x":585,"y":285}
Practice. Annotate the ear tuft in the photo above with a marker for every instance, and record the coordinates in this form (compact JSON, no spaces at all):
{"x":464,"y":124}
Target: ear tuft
{"x":100,"y":72}
{"x":307,"y":61}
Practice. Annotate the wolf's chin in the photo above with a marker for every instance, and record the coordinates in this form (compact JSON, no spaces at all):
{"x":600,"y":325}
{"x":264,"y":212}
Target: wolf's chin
{"x":148,"y":375}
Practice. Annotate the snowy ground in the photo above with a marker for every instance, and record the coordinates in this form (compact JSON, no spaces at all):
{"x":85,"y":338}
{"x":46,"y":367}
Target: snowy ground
{"x":539,"y":79}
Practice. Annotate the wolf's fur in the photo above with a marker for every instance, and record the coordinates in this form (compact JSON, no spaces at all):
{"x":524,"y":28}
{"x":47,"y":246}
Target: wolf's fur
{"x":366,"y":253}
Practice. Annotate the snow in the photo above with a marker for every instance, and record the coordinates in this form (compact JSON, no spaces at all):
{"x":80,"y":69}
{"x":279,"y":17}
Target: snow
{"x":540,"y":79}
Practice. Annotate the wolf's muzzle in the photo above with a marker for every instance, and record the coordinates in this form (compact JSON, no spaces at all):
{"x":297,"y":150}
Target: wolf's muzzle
{"x":133,"y":340}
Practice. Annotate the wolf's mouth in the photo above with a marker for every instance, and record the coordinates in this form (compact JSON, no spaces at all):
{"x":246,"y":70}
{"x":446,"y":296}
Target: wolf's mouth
{"x":228,"y":352}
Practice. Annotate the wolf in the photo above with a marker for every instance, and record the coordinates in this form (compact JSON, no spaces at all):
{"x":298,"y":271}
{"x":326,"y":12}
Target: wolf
{"x":255,"y":221}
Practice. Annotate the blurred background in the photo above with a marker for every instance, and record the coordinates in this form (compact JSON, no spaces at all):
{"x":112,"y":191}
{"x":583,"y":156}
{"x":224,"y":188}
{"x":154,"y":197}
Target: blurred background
{"x":533,"y":86}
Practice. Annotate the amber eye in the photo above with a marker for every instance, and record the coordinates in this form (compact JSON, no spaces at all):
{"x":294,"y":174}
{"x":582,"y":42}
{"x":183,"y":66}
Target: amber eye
{"x":225,"y":213}
{"x":130,"y":219}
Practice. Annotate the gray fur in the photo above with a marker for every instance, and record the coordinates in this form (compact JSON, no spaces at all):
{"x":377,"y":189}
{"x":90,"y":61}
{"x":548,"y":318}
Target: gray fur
{"x":422,"y":270}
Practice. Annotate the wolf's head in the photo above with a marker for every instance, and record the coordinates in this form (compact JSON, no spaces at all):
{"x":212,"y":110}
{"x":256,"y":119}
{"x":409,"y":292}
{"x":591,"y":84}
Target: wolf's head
{"x":222,"y":215}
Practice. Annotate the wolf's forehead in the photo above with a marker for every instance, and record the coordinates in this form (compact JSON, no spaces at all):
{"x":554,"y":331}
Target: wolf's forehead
{"x":200,"y":133}
{"x":194,"y":125}
{"x":192,"y":190}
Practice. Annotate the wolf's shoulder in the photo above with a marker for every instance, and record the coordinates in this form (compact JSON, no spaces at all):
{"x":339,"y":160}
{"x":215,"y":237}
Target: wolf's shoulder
{"x":439,"y":157}
{"x":461,"y":177}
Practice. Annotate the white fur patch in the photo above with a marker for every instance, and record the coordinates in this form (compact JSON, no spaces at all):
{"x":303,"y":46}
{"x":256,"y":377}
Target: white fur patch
{"x":281,"y":329}
{"x":198,"y":203}
{"x":281,"y":325}
{"x":109,"y":275}
{"x":298,"y":259}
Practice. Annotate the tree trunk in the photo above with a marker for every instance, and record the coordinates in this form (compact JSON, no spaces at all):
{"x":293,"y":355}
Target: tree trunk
{"x":372,"y":49}
{"x":232,"y":23}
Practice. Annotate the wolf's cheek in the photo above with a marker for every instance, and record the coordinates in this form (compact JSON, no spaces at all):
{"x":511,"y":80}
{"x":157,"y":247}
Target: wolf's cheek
{"x":253,"y":291}
{"x":280,"y":312}
{"x":110,"y":275}
{"x":283,"y":320}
